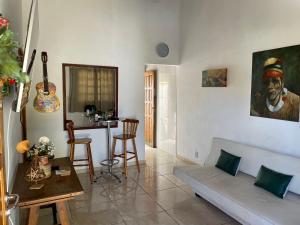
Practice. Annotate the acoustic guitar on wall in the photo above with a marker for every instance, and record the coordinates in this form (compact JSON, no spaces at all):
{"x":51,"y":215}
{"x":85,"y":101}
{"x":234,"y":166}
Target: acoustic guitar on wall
{"x":46,"y":99}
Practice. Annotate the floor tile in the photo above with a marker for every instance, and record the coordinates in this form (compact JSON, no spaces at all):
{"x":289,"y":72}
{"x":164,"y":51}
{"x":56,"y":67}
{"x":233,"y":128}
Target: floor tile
{"x":152,"y":197}
{"x":165,"y":169}
{"x":174,"y":179}
{"x":127,"y":189}
{"x":92,"y":195}
{"x":187,"y":189}
{"x":194,"y":210}
{"x":169,"y":198}
{"x":45,"y":220}
{"x":156,"y":184}
{"x":233,"y":222}
{"x":153,"y":219}
{"x":141,"y":205}
{"x":99,"y":214}
{"x":145,"y":173}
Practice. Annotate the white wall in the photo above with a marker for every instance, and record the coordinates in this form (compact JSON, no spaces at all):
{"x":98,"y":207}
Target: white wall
{"x":166,"y":106}
{"x":162,"y":25}
{"x":11,"y":9}
{"x":225,"y":34}
{"x":102,"y":32}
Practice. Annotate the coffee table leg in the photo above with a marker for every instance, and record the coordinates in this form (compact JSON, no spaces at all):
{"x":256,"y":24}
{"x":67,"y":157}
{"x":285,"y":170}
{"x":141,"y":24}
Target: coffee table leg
{"x":63,"y":213}
{"x":33,"y":215}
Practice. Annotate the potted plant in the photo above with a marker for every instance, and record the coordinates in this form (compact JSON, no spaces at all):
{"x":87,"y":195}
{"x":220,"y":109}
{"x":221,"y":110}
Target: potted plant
{"x":10,"y":64}
{"x":44,"y":148}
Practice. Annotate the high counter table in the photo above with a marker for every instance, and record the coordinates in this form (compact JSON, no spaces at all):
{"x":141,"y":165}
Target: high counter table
{"x":109,"y":162}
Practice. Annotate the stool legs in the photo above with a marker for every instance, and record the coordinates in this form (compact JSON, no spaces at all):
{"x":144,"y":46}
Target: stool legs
{"x":136,"y":155}
{"x":125,"y":158}
{"x":124,"y":154}
{"x":72,"y":148}
{"x":113,"y":149}
{"x":90,"y":161}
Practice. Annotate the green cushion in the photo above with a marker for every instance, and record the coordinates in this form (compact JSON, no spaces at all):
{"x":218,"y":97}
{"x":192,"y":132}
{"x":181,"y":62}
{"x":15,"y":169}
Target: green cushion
{"x":272,"y":181}
{"x":228,"y":162}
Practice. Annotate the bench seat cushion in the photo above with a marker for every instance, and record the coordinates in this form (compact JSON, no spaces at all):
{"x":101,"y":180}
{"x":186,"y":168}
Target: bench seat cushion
{"x":239,"y":197}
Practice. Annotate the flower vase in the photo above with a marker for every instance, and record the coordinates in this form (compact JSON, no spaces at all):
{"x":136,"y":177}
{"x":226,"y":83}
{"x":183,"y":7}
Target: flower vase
{"x":45,"y":165}
{"x":44,"y":159}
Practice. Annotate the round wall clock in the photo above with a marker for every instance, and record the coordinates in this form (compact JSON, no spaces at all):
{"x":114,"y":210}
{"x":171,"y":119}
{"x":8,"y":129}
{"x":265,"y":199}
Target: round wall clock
{"x":162,"y":50}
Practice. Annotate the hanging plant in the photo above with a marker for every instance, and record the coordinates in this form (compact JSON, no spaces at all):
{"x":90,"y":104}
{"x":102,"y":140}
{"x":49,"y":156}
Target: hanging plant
{"x":10,"y":66}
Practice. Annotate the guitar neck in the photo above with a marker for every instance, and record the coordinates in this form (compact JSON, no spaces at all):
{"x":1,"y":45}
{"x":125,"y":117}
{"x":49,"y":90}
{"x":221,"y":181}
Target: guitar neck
{"x":31,"y":62}
{"x":45,"y":79}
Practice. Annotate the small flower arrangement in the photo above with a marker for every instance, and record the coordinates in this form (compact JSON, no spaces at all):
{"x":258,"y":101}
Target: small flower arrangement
{"x":45,"y":147}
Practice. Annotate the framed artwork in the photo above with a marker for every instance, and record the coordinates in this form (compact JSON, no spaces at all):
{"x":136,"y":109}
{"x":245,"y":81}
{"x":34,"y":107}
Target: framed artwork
{"x":214,"y":78}
{"x":276,"y":84}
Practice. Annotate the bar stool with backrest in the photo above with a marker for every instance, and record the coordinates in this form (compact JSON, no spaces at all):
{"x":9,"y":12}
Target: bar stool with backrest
{"x":76,"y":141}
{"x":129,"y":133}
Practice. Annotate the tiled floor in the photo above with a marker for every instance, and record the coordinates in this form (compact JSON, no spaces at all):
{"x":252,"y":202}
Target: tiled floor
{"x":152,"y":197}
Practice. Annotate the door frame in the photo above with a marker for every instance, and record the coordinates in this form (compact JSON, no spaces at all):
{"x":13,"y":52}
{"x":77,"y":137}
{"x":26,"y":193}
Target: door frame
{"x":154,"y":144}
{"x":3,"y":215}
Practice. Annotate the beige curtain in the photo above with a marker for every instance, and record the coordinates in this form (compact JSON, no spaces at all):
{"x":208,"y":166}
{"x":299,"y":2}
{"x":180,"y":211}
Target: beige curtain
{"x":92,"y":86}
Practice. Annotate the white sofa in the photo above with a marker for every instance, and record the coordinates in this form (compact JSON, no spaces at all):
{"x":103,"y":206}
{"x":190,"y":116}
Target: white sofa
{"x":238,"y":196}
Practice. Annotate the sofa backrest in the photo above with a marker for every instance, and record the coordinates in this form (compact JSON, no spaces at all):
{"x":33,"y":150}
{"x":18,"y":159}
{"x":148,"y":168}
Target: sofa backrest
{"x":254,"y":157}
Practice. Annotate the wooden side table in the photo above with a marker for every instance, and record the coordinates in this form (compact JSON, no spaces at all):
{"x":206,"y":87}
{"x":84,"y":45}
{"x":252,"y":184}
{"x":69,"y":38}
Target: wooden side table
{"x":57,"y":189}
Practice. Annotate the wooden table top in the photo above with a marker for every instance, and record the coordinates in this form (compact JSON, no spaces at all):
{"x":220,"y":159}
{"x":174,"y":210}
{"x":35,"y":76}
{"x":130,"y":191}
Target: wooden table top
{"x":56,"y":188}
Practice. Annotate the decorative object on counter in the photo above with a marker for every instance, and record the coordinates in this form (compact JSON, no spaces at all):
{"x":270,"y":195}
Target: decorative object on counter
{"x":40,"y":166}
{"x":45,"y":165}
{"x":46,"y":100}
{"x":35,"y":173}
{"x":45,"y":147}
{"x":90,"y":109}
{"x":214,"y":78}
{"x":107,"y":115}
{"x":45,"y":150}
{"x":23,"y":146}
{"x":63,"y":171}
{"x":46,"y":168}
{"x":95,"y":116}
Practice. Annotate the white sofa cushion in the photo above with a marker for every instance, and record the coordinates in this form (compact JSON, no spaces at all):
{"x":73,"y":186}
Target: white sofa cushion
{"x":238,"y":196}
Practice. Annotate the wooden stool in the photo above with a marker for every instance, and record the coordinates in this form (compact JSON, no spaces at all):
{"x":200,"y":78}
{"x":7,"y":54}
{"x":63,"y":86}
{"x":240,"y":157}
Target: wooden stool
{"x":85,"y":141}
{"x":129,"y":133}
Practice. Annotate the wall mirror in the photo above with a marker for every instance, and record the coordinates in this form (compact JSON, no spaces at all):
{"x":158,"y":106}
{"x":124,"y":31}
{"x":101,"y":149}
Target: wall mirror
{"x":90,"y":95}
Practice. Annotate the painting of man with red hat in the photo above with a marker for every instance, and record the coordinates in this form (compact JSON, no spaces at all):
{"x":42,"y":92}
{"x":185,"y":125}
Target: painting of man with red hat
{"x":276,"y":84}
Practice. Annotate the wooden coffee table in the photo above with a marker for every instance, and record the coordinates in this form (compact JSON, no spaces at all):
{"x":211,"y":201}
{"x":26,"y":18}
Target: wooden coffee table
{"x":57,"y":189}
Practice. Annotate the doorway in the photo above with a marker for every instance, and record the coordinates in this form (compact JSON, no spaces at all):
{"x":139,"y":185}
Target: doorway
{"x":161,"y":107}
{"x":150,"y":107}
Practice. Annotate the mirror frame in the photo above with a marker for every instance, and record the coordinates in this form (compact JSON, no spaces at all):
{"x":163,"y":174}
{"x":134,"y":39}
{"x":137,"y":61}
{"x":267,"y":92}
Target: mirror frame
{"x":64,"y":65}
